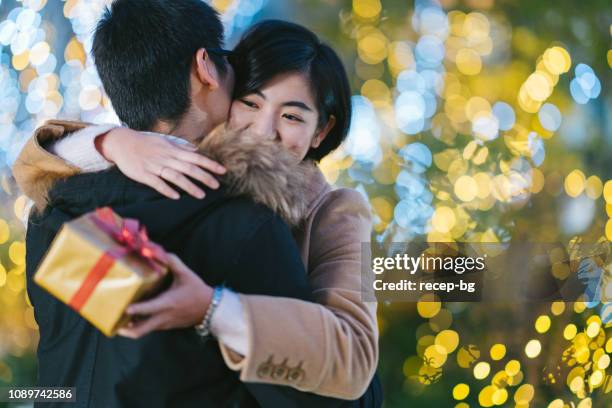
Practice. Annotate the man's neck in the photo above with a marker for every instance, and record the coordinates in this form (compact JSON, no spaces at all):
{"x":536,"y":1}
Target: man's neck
{"x":191,"y":130}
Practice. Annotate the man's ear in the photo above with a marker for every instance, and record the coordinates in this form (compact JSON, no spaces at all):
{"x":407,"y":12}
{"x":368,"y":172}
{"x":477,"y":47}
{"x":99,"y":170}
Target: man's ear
{"x":206,"y":69}
{"x":323,"y":132}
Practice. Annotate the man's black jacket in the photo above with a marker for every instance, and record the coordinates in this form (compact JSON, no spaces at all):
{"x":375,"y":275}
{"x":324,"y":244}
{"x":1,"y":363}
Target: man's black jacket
{"x":226,"y":240}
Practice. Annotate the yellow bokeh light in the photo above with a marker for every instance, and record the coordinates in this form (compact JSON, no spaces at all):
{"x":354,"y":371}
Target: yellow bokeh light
{"x":596,"y":379}
{"x":533,"y":348}
{"x":557,"y":308}
{"x":558,"y":403}
{"x":222,"y":5}
{"x":485,"y":397}
{"x":512,"y":367}
{"x":607,"y":191}
{"x":483,"y":180}
{"x":2,"y":276}
{"x":481,"y":370}
{"x":603,"y":362}
{"x":570,"y":331}
{"x":372,"y":45}
{"x":481,"y":156}
{"x":461,"y":391}
{"x":74,"y":51}
{"x":21,"y":61}
{"x":441,"y":321}
{"x":467,"y":356}
{"x":5,"y":231}
{"x":20,"y":206}
{"x":579,"y":306}
{"x":542,"y":324}
{"x":524,"y":394}
{"x":435,"y":356}
{"x":557,"y":60}
{"x":526,"y":102}
{"x":476,"y":26}
{"x":477,"y":107}
{"x":538,"y":87}
{"x":609,"y":229}
{"x":383,"y":208}
{"x":594,"y":187}
{"x":466,"y":188}
{"x":443,"y":219}
{"x":500,"y":396}
{"x":574,"y":183}
{"x":17,"y":253}
{"x":376,"y":91}
{"x":447,"y":339}
{"x":468,"y":61}
{"x":428,"y":307}
{"x":497,"y":352}
{"x":592,"y":329}
{"x":367,"y":9}
{"x":400,"y":57}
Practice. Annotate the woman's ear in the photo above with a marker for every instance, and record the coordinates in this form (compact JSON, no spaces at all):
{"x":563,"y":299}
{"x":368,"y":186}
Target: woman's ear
{"x":323,"y":132}
{"x":206,"y":70}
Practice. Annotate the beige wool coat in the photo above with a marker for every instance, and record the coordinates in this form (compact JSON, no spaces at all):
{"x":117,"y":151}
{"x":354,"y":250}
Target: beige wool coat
{"x":329,"y":347}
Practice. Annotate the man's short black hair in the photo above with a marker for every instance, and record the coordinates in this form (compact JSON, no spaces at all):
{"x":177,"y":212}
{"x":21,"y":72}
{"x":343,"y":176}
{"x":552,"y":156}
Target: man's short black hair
{"x":143,"y":50}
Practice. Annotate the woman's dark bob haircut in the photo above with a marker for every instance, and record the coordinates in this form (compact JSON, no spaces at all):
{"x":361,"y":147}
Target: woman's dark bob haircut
{"x":273,"y":47}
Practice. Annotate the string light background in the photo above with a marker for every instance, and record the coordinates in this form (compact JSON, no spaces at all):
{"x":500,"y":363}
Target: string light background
{"x":474,"y":120}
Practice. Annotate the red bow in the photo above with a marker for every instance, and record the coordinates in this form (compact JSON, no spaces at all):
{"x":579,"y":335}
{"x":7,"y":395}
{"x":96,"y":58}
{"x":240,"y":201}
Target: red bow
{"x":132,"y":238}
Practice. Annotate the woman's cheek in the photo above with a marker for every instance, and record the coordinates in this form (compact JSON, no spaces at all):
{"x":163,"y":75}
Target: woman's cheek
{"x":237,"y":117}
{"x":296,"y":141}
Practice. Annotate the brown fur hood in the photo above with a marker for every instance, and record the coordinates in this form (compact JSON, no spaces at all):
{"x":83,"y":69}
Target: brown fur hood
{"x":263,"y":170}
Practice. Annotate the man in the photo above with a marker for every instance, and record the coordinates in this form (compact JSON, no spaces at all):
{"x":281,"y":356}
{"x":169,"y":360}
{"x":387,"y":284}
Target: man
{"x":184,"y":89}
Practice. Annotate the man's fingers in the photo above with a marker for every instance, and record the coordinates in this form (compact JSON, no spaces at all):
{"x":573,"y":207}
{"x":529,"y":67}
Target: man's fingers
{"x":149,"y":307}
{"x":194,"y":172}
{"x":160,"y":186}
{"x":182,"y":181}
{"x":201,"y":161}
{"x":177,"y":266}
{"x":136,"y":330}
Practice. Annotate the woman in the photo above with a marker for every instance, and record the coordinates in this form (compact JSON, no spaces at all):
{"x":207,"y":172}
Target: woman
{"x":290,"y":87}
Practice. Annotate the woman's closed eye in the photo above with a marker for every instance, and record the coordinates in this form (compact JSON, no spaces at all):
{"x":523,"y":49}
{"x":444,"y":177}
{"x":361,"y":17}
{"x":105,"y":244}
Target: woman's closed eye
{"x":293,"y":118}
{"x":248,"y":103}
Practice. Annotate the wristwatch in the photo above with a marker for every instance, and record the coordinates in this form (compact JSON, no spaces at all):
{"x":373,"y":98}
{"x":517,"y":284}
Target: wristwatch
{"x":203,"y":329}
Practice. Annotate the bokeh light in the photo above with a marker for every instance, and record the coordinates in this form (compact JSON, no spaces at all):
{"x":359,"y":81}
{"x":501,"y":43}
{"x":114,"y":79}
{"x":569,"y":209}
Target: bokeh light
{"x":473,"y":121}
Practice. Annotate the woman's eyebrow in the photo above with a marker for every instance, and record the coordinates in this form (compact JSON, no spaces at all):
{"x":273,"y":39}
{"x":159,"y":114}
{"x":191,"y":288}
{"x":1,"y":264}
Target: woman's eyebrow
{"x":298,"y":104}
{"x":295,"y":104}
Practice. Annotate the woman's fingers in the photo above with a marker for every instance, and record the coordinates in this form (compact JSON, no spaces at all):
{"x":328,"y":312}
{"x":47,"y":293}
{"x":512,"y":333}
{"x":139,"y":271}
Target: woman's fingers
{"x":182,"y":181}
{"x":195,"y":172}
{"x":200,"y":161}
{"x":160,"y":186}
{"x":185,"y":146}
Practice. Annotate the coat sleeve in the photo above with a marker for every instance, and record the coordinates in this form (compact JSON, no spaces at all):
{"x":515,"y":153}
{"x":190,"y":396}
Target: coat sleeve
{"x":330,"y":347}
{"x":36,"y":169}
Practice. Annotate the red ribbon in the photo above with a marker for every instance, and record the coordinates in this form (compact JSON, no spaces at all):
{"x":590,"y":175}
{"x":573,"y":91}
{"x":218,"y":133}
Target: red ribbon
{"x":131,"y":239}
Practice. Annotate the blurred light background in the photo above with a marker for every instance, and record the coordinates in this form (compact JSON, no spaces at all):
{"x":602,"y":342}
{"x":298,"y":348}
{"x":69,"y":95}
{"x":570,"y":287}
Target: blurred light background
{"x":474,"y":120}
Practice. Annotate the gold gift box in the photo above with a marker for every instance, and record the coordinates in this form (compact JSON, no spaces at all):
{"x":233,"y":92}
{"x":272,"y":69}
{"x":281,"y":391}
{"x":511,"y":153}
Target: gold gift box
{"x":80,"y":270}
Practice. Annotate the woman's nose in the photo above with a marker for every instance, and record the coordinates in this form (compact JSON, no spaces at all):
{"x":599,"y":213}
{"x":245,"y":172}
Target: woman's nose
{"x":265,"y":128}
